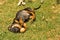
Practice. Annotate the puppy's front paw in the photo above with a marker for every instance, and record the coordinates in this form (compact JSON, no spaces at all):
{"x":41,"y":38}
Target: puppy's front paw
{"x":22,"y":30}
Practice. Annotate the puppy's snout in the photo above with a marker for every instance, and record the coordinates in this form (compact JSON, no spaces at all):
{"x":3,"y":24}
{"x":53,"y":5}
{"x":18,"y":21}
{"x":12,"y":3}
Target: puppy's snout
{"x":14,"y":29}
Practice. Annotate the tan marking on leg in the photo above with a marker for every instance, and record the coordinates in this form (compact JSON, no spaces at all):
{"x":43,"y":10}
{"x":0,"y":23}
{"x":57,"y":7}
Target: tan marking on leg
{"x":25,"y":25}
{"x":32,"y":17}
{"x":21,"y":21}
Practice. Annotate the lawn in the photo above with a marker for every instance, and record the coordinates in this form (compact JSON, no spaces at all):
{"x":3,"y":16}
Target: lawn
{"x":46,"y":26}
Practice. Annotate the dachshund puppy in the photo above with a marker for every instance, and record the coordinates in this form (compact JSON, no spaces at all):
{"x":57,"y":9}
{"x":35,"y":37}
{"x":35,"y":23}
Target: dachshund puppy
{"x":23,"y":16}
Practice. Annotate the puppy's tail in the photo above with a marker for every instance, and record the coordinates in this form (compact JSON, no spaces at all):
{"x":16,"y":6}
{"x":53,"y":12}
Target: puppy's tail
{"x":42,"y":1}
{"x":37,"y":7}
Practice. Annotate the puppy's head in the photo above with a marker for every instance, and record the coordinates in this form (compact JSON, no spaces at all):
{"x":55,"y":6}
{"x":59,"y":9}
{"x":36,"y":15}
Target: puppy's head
{"x":14,"y":28}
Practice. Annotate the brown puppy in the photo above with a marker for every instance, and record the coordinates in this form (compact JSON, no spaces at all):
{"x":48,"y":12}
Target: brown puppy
{"x":23,"y":16}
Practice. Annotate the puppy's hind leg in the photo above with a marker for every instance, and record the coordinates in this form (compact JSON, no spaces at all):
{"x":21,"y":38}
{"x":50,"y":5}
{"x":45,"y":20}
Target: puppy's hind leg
{"x":32,"y":17}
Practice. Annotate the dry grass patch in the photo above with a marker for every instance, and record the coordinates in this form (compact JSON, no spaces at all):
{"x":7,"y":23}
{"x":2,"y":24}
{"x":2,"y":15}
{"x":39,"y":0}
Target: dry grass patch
{"x":2,"y":2}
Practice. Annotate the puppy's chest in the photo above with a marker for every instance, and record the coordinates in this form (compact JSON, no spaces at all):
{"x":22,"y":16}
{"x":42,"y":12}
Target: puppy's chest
{"x":24,"y":15}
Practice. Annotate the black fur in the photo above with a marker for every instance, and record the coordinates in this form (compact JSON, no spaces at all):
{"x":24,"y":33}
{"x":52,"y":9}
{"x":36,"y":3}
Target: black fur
{"x":14,"y":29}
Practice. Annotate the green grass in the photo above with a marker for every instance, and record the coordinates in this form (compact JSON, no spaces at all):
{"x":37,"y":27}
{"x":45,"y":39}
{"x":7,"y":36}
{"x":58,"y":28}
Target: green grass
{"x":46,"y":26}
